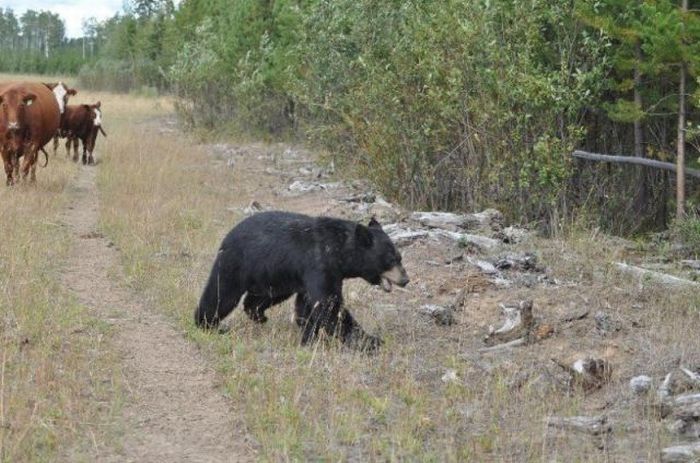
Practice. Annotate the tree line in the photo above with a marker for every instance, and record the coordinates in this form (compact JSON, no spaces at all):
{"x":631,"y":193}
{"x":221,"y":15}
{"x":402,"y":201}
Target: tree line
{"x":446,"y":104}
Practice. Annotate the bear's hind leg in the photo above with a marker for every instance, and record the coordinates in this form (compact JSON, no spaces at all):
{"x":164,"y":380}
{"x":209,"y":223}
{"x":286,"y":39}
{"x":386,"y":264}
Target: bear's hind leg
{"x":255,"y":305}
{"x":301,"y":310}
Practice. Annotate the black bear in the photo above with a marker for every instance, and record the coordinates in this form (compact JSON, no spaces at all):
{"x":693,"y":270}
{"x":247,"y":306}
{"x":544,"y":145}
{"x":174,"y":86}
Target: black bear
{"x":273,"y":255}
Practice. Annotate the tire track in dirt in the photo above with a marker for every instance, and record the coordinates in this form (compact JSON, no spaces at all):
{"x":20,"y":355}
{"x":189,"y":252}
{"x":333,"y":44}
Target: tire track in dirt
{"x":173,"y":410}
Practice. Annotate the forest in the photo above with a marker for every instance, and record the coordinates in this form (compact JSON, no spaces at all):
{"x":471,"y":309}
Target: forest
{"x":447,"y":105}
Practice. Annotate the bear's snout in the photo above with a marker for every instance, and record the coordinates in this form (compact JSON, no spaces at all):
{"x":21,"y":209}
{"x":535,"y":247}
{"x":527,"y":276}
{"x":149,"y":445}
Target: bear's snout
{"x":396,"y":275}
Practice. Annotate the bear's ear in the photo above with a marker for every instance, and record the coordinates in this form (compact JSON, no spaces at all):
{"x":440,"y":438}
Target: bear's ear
{"x":363,"y":235}
{"x":374,"y":224}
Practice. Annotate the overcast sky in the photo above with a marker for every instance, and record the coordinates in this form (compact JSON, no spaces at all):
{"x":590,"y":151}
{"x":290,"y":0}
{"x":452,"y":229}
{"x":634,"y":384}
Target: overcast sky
{"x":73,"y":12}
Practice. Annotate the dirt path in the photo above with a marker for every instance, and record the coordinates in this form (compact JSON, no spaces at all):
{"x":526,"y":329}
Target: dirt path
{"x":173,"y":411}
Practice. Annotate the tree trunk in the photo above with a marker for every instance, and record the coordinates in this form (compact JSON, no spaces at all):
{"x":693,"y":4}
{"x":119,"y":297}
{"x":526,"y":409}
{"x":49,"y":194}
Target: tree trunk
{"x":680,"y":154}
{"x":638,"y":130}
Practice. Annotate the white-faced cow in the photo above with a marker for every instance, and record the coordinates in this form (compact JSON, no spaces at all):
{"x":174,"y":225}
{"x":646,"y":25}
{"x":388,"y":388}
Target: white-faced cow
{"x":62,"y":93}
{"x":82,"y":122}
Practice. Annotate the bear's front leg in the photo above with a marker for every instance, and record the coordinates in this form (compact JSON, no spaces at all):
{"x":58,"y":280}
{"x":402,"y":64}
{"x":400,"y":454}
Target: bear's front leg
{"x":352,"y":334}
{"x":328,"y":313}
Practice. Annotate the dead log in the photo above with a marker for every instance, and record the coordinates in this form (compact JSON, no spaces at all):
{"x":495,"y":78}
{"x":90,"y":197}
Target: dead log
{"x":662,"y":278}
{"x":633,"y":160}
{"x":686,"y":399}
{"x":593,"y":425}
{"x":681,"y":453}
{"x":692,"y":376}
{"x":685,"y":428}
{"x":688,"y":412}
{"x":504,"y":346}
{"x":488,"y":219}
{"x":694,"y":264}
{"x":482,"y":243}
{"x":403,"y":236}
{"x":518,"y":323}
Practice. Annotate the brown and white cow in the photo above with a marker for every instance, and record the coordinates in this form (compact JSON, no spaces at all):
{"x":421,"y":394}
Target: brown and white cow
{"x":82,"y":122}
{"x":62,"y":93}
{"x":29,"y":118}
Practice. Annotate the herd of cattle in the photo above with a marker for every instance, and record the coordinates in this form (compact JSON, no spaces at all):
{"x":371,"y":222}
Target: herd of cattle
{"x":31,"y":114}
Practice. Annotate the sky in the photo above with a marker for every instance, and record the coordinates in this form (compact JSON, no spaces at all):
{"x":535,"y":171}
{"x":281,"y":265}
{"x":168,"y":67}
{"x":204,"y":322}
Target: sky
{"x":73,"y":12}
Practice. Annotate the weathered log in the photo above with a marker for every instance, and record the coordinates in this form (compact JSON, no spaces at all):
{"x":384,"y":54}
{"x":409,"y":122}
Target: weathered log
{"x":681,"y":453}
{"x":694,"y":264}
{"x":485,"y":266}
{"x":663,"y":278}
{"x":481,"y":242}
{"x":403,"y":236}
{"x":487,"y":219}
{"x":445,"y":220}
{"x":518,"y":323}
{"x":687,"y":429}
{"x":692,"y":376}
{"x":632,"y":160}
{"x":687,"y":412}
{"x":593,"y":425}
{"x":686,"y":399}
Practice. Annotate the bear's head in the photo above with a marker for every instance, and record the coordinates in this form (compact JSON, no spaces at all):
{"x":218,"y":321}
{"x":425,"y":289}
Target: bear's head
{"x":378,"y":263}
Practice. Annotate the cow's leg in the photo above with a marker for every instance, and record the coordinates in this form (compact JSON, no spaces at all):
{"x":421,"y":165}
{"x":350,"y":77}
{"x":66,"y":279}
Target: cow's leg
{"x":27,"y":162}
{"x":91,"y":147}
{"x":55,"y":144}
{"x":7,"y":162}
{"x":75,"y":149}
{"x":68,"y":140}
{"x":84,"y":152}
{"x":14,"y":160}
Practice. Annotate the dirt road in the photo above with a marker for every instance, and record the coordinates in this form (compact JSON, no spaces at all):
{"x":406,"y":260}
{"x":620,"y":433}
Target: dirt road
{"x":173,"y":410}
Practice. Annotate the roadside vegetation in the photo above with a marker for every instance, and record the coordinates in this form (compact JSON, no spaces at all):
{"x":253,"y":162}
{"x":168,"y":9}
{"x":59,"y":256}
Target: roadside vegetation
{"x":454,"y":105}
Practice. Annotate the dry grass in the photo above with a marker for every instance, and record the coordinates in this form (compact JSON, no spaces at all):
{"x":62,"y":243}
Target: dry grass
{"x":167,"y":202}
{"x":57,"y":394}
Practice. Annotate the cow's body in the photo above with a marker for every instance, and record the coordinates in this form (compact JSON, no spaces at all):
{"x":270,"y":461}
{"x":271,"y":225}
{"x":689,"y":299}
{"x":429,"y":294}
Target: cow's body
{"x":82,"y":122}
{"x":29,"y":118}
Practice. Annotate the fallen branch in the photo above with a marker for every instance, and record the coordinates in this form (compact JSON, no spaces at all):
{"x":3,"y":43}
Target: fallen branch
{"x":633,"y":160}
{"x":694,"y":377}
{"x":663,"y":278}
{"x":505,"y":346}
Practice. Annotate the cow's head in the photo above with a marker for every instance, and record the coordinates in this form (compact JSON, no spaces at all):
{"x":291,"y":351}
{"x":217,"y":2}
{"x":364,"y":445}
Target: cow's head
{"x":96,"y":114}
{"x":13,"y":106}
{"x":62,"y":93}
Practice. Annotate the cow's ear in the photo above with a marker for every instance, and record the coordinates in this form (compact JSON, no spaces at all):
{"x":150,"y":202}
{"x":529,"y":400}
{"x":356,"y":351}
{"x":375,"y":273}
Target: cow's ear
{"x":97,"y":105}
{"x":72,"y":91}
{"x":86,"y":106}
{"x":29,"y":99}
{"x":373,"y":223}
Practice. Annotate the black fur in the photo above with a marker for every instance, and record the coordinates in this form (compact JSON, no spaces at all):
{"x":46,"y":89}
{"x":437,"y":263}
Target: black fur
{"x":274,"y":255}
